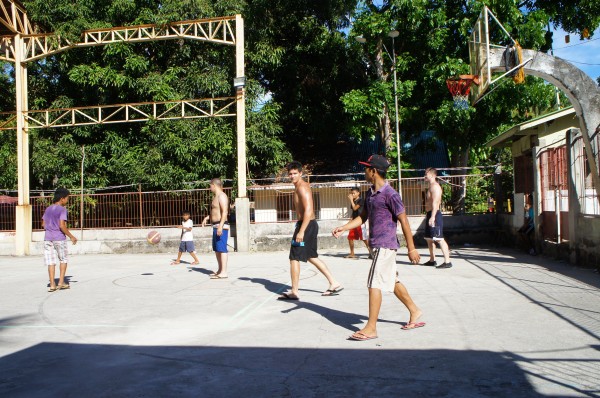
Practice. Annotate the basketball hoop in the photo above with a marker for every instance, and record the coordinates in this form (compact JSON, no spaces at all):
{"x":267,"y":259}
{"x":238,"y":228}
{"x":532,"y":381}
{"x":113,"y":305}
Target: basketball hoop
{"x":459,"y":87}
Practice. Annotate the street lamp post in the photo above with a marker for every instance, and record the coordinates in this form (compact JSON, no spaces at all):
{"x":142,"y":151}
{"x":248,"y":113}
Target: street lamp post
{"x":393,"y":34}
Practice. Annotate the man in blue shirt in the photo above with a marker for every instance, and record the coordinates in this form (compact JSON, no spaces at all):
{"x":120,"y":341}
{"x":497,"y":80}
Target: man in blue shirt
{"x":384,"y":209}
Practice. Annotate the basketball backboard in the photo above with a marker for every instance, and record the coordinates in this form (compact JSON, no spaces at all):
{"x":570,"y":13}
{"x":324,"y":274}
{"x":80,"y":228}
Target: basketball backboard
{"x":479,"y":49}
{"x":479,"y":54}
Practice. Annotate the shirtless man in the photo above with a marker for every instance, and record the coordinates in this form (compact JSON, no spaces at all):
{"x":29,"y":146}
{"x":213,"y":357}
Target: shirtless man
{"x":304,"y":241}
{"x":218,"y":218}
{"x":434,"y":223}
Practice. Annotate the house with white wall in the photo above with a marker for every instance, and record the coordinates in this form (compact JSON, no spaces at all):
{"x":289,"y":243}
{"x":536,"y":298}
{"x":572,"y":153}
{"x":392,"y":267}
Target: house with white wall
{"x":550,"y":164}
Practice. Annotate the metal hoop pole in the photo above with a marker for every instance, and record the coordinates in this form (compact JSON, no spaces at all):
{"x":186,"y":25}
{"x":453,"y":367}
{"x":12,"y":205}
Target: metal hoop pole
{"x":398,"y":148}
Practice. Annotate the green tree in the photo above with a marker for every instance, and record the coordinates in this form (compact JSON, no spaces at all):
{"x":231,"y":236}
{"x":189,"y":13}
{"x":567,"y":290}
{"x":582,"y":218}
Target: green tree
{"x":160,"y":155}
{"x":309,"y":82}
{"x":432,"y":47}
{"x":298,"y":53}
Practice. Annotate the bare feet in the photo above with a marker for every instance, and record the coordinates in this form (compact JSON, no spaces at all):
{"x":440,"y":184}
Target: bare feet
{"x":412,"y":323}
{"x":350,"y":256}
{"x":175,"y":263}
{"x":415,"y":315}
{"x":195,"y":263}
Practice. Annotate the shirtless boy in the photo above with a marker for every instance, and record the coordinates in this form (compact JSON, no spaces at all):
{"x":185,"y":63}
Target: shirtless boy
{"x":219,"y":208}
{"x":304,"y":241}
{"x":434,"y":223}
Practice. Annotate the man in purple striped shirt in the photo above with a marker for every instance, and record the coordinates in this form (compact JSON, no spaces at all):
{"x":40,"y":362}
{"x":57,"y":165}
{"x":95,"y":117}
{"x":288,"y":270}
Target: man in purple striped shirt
{"x":384,"y":209}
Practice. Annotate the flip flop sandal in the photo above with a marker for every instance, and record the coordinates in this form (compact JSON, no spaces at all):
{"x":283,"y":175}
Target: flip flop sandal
{"x":332,"y":292}
{"x":287,"y":296}
{"x":53,"y":289}
{"x":413,"y":325}
{"x":358,"y":336}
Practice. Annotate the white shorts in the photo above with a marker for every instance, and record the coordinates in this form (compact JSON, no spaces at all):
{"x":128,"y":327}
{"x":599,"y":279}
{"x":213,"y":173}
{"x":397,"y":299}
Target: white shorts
{"x":54,"y":249}
{"x":383,"y":272}
{"x":365,"y":233}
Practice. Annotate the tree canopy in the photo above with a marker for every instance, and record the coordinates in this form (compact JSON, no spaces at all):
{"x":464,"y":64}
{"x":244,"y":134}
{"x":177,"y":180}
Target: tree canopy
{"x":309,"y":84}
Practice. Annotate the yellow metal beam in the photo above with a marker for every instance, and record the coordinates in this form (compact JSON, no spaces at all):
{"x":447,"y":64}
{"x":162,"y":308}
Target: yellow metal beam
{"x":13,"y":17}
{"x":214,"y":30}
{"x":123,"y":113}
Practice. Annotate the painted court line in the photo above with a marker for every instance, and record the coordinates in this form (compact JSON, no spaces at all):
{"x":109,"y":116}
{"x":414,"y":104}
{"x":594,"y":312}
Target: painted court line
{"x":245,"y":312}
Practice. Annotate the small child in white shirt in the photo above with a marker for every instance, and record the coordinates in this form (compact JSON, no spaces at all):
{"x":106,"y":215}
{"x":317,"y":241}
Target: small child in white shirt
{"x":187,"y":239}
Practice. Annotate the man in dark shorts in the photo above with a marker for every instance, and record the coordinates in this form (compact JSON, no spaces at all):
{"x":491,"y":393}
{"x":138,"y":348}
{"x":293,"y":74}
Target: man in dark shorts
{"x":527,"y":231}
{"x":304,"y":241}
{"x":434,"y":225}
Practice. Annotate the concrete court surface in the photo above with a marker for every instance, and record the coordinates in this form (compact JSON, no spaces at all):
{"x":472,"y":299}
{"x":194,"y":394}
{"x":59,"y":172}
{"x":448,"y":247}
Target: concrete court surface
{"x":501,"y":324}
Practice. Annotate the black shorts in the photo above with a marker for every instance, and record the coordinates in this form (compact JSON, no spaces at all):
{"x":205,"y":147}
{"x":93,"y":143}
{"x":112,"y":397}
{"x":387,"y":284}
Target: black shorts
{"x":309,"y":250}
{"x":437,"y":232}
{"x":526,"y":229}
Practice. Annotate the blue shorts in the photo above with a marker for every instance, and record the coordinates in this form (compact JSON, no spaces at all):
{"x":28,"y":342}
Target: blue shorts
{"x":219,"y":243}
{"x":187,"y":246}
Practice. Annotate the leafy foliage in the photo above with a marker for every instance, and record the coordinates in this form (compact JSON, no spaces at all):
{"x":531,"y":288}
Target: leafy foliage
{"x":159,"y":154}
{"x":309,"y":83}
{"x":432,"y":47}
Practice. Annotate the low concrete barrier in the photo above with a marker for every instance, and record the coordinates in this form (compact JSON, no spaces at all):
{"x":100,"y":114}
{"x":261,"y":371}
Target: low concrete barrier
{"x":263,"y":237}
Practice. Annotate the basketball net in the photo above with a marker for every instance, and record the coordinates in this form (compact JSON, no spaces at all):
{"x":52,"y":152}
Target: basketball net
{"x":459,"y":87}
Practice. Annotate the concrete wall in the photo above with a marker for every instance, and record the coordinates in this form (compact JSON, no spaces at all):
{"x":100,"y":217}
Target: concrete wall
{"x":583,"y":252}
{"x":586,"y":250}
{"x":116,"y":241}
{"x":333,"y":200}
{"x":475,"y":229}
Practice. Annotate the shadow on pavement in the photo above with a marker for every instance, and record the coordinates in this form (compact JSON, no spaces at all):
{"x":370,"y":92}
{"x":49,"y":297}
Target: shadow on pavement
{"x":90,"y":370}
{"x":347,"y":320}
{"x":561,"y":289}
{"x":204,"y":271}
{"x":273,"y":287}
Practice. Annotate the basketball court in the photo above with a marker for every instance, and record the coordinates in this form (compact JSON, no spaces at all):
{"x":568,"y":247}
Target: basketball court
{"x":132,"y":325}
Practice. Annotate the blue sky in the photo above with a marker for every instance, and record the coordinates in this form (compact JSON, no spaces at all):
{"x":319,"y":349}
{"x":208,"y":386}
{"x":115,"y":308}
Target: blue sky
{"x":584,"y":54}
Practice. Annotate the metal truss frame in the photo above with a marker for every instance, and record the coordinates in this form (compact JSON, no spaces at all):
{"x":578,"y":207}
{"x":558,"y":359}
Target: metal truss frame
{"x":37,"y":46}
{"x":23,"y":46}
{"x":123,"y":113}
{"x":14,"y":17}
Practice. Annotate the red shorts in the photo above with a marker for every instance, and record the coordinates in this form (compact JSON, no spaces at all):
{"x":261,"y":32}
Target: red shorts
{"x":355,"y":234}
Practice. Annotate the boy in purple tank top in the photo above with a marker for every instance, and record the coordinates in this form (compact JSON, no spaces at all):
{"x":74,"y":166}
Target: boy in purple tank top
{"x":54,"y":223}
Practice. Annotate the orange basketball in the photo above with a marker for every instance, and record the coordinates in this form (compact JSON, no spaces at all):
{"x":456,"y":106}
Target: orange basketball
{"x":153,"y":237}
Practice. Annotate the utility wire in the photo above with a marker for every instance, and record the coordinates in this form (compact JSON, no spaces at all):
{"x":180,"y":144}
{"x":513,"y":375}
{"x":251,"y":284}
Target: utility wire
{"x":583,"y":63}
{"x":578,"y":44}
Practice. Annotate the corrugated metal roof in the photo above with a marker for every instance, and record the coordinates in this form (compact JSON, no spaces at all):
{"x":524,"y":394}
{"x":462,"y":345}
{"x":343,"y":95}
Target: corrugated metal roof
{"x":520,"y":130}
